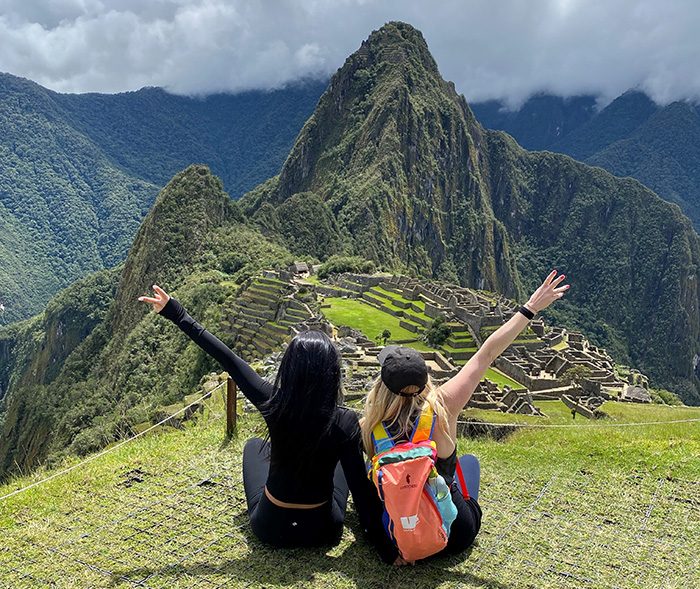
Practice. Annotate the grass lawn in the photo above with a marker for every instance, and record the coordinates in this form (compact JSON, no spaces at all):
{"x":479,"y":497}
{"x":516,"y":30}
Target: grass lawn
{"x":367,"y":319}
{"x":583,"y":506}
{"x":390,"y":294}
{"x":496,"y":376}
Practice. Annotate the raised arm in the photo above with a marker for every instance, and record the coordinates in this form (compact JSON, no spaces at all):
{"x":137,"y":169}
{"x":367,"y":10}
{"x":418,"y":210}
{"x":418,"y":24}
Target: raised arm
{"x":458,"y":390}
{"x":256,"y":389}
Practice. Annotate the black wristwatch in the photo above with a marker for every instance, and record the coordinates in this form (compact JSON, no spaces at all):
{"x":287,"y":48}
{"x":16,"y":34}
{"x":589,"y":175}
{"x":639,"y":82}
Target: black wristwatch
{"x":525,"y":311}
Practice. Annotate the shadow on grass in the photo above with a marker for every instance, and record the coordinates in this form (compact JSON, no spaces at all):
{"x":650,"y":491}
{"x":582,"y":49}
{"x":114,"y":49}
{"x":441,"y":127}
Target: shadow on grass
{"x":264,"y":565}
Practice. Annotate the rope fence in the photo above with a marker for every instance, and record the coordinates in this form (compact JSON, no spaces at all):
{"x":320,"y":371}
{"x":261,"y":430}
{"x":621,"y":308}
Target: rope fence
{"x":230,"y":429}
{"x":595,"y":424}
{"x":231,"y":424}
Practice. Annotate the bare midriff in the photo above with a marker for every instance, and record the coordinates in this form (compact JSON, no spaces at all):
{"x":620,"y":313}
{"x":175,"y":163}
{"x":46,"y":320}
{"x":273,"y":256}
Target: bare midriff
{"x":292,"y":505}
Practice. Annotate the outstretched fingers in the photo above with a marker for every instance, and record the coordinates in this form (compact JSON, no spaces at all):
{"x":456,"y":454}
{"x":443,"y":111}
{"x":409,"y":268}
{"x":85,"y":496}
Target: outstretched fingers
{"x":149,"y":300}
{"x":160,"y":291}
{"x":551,"y":276}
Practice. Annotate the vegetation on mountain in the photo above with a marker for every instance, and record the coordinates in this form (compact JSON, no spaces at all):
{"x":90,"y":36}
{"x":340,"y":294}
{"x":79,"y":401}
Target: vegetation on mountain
{"x":66,"y":210}
{"x":633,"y":258}
{"x":340,"y":264}
{"x":78,"y":173}
{"x":540,"y":121}
{"x":437,"y":333}
{"x":659,"y":145}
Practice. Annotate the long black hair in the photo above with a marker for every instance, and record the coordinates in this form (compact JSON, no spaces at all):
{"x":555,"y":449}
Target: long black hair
{"x":307,"y":392}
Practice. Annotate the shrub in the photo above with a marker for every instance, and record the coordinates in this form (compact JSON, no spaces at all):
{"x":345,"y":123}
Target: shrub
{"x":438,"y":332}
{"x":340,"y":264}
{"x":664,"y":397}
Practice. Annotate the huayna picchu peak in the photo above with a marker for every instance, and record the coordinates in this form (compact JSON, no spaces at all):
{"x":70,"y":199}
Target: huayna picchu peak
{"x":393,"y":152}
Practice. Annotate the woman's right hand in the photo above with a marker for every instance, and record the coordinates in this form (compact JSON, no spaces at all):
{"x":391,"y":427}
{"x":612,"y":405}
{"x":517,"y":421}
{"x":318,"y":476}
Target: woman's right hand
{"x":158,"y":301}
{"x":547,"y":293}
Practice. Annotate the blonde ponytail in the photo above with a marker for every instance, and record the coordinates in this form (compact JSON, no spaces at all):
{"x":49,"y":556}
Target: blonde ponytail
{"x":383,"y":405}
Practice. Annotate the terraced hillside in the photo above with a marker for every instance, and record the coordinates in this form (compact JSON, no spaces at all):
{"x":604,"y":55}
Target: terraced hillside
{"x":264,"y":314}
{"x":617,"y":508}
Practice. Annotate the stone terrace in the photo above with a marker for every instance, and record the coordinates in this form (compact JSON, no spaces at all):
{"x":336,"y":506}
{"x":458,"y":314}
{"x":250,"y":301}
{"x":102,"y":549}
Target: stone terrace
{"x":265,"y":314}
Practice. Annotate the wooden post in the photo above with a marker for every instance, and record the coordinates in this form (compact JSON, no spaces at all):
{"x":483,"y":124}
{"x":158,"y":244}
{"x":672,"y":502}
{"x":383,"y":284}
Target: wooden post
{"x":231,"y":394}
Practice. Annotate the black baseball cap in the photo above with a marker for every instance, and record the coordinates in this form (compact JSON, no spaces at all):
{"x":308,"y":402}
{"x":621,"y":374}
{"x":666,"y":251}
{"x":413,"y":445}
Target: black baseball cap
{"x":403,"y":367}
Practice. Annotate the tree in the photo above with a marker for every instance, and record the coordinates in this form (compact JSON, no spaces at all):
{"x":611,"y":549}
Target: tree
{"x":384,"y":336}
{"x":438,"y":332}
{"x":576,"y":375}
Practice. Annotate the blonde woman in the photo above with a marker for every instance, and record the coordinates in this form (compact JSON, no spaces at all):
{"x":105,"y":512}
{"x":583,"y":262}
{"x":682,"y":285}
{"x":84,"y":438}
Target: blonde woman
{"x":404,"y":387}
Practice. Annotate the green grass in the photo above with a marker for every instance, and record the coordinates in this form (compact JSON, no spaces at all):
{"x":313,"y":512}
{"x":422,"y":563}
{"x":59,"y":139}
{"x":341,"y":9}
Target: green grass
{"x":496,"y":376}
{"x":367,"y":319}
{"x":584,"y":506}
{"x":563,"y":345}
{"x":390,"y":294}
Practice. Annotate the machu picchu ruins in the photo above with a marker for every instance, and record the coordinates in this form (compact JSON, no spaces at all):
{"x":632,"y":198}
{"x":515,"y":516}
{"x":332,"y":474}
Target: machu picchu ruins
{"x":544,"y":363}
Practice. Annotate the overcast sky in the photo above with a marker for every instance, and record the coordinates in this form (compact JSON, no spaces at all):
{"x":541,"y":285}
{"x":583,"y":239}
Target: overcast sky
{"x":504,"y":49}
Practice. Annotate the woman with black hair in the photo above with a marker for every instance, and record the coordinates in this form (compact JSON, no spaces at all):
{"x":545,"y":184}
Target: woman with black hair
{"x":294,"y":485}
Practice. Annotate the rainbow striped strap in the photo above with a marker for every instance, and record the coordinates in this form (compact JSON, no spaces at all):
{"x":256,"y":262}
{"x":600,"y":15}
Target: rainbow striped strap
{"x":423,"y":430}
{"x":381,"y":439}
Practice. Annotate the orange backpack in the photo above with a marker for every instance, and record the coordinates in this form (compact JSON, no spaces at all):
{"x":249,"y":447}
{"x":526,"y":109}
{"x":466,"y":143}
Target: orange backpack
{"x":418,"y":506}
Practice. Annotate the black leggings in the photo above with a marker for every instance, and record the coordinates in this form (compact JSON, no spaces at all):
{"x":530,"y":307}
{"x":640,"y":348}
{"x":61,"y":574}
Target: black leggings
{"x":282,"y":526}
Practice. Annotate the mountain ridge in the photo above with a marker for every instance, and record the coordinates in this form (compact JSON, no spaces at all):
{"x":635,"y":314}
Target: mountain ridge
{"x":78,"y":173}
{"x":659,"y":145}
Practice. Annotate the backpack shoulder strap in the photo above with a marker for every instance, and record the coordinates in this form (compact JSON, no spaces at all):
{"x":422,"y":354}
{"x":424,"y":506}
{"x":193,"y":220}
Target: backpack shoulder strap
{"x":425,"y":423}
{"x":381,"y":439}
{"x":460,"y":480}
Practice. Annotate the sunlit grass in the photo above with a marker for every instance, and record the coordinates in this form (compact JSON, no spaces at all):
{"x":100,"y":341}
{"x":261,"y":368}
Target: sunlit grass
{"x":580,"y":506}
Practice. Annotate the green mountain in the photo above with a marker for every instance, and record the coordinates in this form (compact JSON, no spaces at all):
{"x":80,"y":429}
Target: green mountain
{"x":95,"y":361}
{"x":392,"y":167}
{"x":390,"y":161}
{"x":632,"y":136}
{"x":79,"y":172}
{"x":541,"y":121}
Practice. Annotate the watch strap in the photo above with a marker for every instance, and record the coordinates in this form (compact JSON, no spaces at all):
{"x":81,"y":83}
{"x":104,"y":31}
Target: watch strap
{"x":525,"y":311}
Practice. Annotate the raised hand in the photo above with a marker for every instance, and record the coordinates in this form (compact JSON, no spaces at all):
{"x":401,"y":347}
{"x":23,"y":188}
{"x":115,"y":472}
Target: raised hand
{"x":159,"y":300}
{"x":548,"y":292}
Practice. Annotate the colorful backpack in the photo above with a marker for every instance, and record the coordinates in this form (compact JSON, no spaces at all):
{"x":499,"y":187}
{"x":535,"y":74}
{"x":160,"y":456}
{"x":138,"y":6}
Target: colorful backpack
{"x":418,"y":506}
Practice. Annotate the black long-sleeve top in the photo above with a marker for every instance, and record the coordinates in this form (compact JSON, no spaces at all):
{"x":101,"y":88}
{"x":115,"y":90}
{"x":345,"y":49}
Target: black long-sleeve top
{"x":313,"y":483}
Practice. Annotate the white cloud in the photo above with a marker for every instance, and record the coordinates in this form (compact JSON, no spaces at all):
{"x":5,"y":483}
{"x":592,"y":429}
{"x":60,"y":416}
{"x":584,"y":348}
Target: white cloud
{"x":507,"y":49}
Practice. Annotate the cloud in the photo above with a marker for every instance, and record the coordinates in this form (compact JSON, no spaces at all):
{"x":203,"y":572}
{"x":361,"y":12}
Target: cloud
{"x":508,"y":49}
